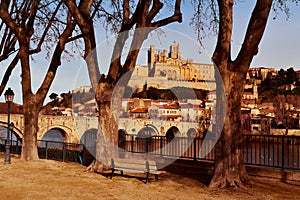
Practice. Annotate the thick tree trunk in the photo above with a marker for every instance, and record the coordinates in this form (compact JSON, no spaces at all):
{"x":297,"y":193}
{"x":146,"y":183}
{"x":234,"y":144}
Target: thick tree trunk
{"x":105,"y":138}
{"x":229,"y":166}
{"x":29,"y":146}
{"x":109,"y":103}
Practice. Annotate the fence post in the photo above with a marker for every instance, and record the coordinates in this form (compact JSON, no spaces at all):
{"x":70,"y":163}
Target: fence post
{"x":147,"y":144}
{"x":282,"y":152}
{"x":132,"y":143}
{"x":64,"y":151}
{"x":17,"y":147}
{"x":46,"y":150}
{"x":160,"y":145}
{"x":195,"y":149}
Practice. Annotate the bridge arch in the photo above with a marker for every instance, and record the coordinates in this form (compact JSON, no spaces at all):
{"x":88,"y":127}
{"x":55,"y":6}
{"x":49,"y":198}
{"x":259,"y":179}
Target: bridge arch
{"x":17,"y":132}
{"x":172,"y":132}
{"x":55,"y":134}
{"x":89,"y":138}
{"x":192,"y":132}
{"x":153,"y":127}
{"x":147,"y":131}
{"x":64,"y":130}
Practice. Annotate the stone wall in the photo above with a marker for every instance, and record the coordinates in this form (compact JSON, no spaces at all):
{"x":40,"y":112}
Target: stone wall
{"x":295,"y":132}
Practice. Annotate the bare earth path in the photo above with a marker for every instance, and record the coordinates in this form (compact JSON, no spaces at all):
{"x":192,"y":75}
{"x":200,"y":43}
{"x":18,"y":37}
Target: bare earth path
{"x":46,"y":179}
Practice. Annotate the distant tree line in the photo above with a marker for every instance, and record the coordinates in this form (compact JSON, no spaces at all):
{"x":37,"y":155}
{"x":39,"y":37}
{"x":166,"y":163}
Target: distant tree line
{"x":286,"y":82}
{"x":175,"y":93}
{"x":64,"y":102}
{"x":283,"y":90}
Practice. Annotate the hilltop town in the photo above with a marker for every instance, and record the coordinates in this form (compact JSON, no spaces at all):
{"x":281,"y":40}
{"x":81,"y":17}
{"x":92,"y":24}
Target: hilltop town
{"x":172,"y":89}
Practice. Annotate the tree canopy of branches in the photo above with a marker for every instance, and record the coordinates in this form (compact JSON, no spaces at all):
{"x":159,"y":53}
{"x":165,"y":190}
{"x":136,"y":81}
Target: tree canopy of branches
{"x":141,"y":17}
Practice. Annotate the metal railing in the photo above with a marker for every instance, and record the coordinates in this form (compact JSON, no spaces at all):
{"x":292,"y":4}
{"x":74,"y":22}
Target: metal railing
{"x":272,"y":151}
{"x":60,"y":151}
{"x":15,"y":146}
{"x":53,"y":150}
{"x":261,"y":150}
{"x":183,"y":147}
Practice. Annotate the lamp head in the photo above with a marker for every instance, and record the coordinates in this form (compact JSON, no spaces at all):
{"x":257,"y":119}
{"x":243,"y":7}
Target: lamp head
{"x":9,"y":95}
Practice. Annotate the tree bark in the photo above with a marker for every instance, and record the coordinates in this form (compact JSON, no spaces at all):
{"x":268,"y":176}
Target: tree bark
{"x":29,"y":146}
{"x":109,"y":104}
{"x":229,"y":165}
{"x":31,"y":106}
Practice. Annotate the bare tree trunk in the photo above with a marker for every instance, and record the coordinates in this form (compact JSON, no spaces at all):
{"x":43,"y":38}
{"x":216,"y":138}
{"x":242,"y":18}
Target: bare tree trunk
{"x":229,"y":165}
{"x":109,"y":111}
{"x":29,"y":146}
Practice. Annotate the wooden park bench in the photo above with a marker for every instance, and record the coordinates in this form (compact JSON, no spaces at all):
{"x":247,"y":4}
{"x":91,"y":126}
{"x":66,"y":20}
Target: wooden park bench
{"x":135,"y":166}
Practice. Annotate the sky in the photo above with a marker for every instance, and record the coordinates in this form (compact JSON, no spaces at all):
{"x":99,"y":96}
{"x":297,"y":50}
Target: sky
{"x":279,"y":48}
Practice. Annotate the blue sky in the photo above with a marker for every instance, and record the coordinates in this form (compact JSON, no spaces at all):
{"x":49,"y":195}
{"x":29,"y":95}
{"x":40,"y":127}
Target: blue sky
{"x":279,"y":48}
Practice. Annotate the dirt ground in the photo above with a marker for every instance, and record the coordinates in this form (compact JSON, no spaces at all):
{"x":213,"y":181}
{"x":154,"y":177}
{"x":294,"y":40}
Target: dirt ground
{"x":47,"y":179}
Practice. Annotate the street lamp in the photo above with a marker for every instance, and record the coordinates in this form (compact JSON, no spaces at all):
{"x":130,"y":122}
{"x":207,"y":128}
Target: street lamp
{"x":9,"y":97}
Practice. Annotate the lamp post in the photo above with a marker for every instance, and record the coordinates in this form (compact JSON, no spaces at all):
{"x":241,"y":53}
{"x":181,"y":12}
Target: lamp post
{"x":11,"y":130}
{"x":9,"y":97}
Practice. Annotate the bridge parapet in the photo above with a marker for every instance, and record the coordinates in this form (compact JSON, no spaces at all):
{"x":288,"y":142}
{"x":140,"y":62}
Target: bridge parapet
{"x":74,"y":128}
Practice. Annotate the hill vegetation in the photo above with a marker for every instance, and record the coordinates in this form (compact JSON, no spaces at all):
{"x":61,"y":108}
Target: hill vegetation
{"x":286,"y":82}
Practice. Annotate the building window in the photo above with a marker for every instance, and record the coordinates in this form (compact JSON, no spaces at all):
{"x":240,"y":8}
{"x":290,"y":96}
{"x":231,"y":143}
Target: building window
{"x":255,"y":121}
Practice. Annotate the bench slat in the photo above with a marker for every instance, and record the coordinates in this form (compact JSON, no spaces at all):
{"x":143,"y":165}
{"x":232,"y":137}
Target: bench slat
{"x":135,"y":166}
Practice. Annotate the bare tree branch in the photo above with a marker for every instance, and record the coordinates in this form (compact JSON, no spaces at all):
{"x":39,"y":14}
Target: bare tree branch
{"x":56,"y":59}
{"x":222,"y":50}
{"x":82,"y":16}
{"x":254,"y":33}
{"x":50,"y":22}
{"x":8,"y":72}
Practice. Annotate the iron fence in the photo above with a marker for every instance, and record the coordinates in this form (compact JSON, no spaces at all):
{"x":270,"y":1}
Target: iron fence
{"x":60,"y":151}
{"x":261,"y":150}
{"x":184,"y":147}
{"x":53,"y":150}
{"x":272,"y":151}
{"x":15,"y":146}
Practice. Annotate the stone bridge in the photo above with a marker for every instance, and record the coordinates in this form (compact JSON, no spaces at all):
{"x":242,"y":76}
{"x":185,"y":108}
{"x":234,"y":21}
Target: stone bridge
{"x":73,"y":129}
{"x":66,"y":125}
{"x":157,"y":127}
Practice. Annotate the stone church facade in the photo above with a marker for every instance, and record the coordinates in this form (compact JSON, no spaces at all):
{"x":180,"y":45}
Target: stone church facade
{"x":168,"y":69}
{"x":171,"y":66}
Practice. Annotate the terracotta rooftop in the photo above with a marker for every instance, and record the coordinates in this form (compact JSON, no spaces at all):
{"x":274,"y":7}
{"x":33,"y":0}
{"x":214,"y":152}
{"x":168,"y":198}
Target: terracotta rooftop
{"x":14,"y":108}
{"x":139,"y":110}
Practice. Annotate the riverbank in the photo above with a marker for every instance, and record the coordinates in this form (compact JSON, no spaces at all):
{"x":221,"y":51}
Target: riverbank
{"x":47,"y":179}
